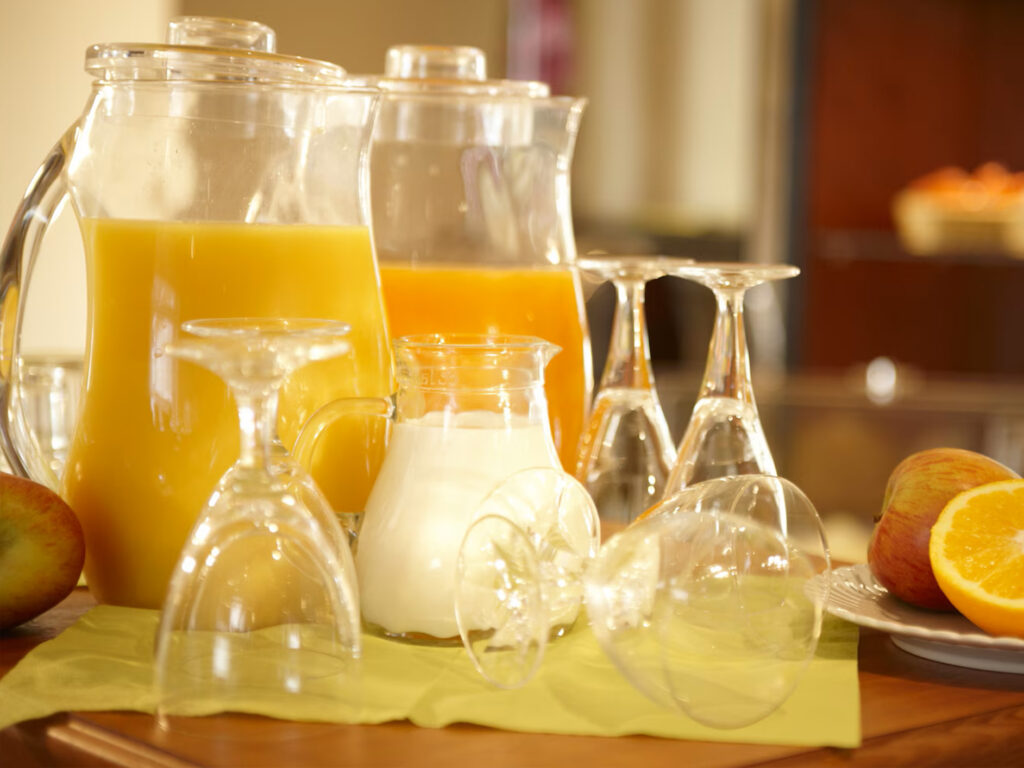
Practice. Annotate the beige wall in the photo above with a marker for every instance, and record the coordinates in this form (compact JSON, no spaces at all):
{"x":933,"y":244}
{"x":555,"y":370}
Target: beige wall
{"x":42,"y":91}
{"x":669,"y":139}
{"x":356,"y":33}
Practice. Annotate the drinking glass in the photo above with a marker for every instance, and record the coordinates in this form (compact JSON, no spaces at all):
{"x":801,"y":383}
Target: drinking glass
{"x":519,"y":571}
{"x":707,"y":604}
{"x":626,"y":451}
{"x":48,"y":394}
{"x":724,"y":436}
{"x":262,"y":612}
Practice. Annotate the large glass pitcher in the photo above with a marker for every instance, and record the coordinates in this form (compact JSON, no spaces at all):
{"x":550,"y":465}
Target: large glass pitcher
{"x":471,"y":213}
{"x":211,"y":177}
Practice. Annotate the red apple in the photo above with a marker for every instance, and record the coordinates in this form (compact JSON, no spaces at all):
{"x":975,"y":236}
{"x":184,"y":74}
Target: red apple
{"x":918,"y":489}
{"x":41,"y":550}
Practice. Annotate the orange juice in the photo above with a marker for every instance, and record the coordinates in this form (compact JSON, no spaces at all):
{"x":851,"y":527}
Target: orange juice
{"x":539,"y":302}
{"x":154,"y":434}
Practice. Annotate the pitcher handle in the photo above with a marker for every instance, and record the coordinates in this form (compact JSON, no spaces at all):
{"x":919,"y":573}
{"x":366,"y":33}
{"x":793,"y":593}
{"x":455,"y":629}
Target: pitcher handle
{"x":42,"y":202}
{"x":322,"y":418}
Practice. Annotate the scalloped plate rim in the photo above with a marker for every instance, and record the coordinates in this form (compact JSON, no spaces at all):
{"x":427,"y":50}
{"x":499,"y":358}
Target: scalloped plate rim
{"x":856,"y":582}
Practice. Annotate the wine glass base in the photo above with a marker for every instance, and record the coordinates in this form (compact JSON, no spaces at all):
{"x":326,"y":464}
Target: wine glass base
{"x":633,"y":268}
{"x":519,"y":571}
{"x":499,"y":606}
{"x":724,"y":275}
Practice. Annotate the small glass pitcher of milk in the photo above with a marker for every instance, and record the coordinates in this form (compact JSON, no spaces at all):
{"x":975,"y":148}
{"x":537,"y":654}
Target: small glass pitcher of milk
{"x":469,"y":412}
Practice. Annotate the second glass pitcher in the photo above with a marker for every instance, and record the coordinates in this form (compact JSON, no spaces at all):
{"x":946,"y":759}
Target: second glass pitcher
{"x":471,"y":213}
{"x":211,"y":177}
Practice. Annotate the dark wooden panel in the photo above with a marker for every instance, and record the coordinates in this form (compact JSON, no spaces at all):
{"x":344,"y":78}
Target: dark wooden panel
{"x":898,"y":89}
{"x":961,"y":314}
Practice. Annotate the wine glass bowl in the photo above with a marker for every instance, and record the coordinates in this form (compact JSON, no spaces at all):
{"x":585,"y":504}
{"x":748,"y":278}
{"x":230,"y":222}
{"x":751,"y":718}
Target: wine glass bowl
{"x":626,"y":451}
{"x":705,"y":604}
{"x":261,"y":613}
{"x":724,"y":435}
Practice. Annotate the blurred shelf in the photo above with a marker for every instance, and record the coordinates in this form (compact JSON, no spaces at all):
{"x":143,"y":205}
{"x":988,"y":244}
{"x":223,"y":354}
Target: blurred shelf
{"x":915,"y":392}
{"x":885,"y":246}
{"x":839,"y":445}
{"x":865,"y":296}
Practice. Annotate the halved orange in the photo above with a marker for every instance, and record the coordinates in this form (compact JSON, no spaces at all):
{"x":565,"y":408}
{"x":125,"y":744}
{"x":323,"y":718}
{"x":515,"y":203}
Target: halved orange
{"x":977,"y":555}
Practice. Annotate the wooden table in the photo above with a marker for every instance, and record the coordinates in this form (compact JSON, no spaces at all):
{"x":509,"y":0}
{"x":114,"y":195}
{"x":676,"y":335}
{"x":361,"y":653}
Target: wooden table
{"x":913,"y":712}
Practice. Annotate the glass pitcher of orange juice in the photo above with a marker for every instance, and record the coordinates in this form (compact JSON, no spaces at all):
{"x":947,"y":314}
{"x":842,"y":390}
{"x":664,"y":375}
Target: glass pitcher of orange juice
{"x":211,"y":177}
{"x":471,"y":213}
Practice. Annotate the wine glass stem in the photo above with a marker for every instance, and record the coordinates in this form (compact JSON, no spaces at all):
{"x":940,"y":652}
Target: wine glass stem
{"x":257,"y":419}
{"x":629,"y":357}
{"x":727,"y":373}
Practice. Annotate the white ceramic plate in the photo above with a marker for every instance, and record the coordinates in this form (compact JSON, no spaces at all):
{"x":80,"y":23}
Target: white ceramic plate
{"x":945,"y":637}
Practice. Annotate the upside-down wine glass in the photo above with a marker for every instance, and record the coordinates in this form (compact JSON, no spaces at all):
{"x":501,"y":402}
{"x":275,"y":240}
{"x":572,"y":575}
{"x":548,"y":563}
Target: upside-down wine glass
{"x":626,"y":451}
{"x":262,"y":613}
{"x":724,"y":436}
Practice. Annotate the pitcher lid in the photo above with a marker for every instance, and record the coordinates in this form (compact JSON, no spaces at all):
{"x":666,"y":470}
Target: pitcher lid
{"x":208,"y":48}
{"x":448,"y":70}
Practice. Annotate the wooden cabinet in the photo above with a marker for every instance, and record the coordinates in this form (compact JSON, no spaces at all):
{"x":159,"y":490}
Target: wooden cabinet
{"x":892,"y":91}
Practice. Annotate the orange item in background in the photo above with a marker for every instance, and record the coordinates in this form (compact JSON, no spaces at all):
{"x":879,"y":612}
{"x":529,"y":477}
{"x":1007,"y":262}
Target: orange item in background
{"x":953,"y":211}
{"x":990,"y":187}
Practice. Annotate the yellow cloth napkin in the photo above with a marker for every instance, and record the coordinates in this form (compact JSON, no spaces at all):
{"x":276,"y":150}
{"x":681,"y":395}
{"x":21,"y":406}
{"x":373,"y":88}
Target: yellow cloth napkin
{"x":105,"y":662}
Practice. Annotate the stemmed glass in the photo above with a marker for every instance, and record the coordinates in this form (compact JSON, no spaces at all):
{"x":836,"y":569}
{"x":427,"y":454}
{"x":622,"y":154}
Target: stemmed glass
{"x":519,"y":571}
{"x":724,"y":436}
{"x":712,"y":603}
{"x":262,"y":611}
{"x":626,"y":451}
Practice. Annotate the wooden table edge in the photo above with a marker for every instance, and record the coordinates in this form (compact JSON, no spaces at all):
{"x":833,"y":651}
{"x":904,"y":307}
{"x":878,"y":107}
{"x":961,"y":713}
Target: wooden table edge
{"x":980,"y":735}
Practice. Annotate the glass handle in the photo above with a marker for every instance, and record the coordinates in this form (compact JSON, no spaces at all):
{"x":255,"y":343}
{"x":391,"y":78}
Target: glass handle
{"x":323,"y":417}
{"x":311,"y":432}
{"x":42,"y":202}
